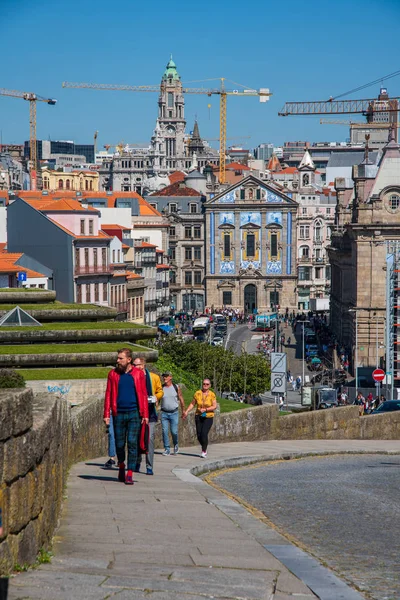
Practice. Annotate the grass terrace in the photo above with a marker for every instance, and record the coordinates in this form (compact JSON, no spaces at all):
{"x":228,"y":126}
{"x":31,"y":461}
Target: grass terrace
{"x":23,"y":289}
{"x":53,"y":306}
{"x":71,"y":326}
{"x":65,"y":348}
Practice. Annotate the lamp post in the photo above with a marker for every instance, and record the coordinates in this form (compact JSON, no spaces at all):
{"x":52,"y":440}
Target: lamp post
{"x":354,"y":310}
{"x":304,"y":354}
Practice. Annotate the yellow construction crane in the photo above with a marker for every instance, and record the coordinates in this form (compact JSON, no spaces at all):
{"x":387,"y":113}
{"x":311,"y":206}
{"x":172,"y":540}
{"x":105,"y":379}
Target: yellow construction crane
{"x":32,"y":99}
{"x":222,"y":92}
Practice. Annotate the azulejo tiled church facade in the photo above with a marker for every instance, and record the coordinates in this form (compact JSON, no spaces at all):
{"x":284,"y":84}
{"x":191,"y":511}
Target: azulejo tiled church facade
{"x":251,"y":248}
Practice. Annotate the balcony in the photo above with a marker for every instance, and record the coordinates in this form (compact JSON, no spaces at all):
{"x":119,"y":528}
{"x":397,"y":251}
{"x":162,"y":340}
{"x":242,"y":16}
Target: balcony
{"x":92,"y":269}
{"x":304,"y":259}
{"x":319,"y":261}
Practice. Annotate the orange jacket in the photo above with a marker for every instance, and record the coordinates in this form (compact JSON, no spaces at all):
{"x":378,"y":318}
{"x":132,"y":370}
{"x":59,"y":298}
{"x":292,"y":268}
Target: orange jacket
{"x":110,"y":400}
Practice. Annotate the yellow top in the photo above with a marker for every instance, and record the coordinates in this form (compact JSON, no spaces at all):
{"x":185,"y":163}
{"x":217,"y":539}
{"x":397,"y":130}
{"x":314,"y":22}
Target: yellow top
{"x":204,"y":400}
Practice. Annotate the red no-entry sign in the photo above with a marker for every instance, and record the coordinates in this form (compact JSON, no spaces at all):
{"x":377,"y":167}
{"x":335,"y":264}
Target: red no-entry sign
{"x":378,"y":375}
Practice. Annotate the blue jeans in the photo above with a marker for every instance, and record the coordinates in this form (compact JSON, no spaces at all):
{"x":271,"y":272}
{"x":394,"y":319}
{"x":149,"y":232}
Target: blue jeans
{"x":169,"y":421}
{"x":111,"y":439}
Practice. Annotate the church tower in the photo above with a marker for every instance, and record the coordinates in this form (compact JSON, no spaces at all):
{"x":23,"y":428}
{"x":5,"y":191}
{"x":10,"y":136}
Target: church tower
{"x":306,"y":170}
{"x":171,"y":118}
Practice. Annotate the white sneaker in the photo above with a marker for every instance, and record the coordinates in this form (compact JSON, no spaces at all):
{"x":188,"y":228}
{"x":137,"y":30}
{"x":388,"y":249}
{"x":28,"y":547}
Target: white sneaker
{"x":203,"y":455}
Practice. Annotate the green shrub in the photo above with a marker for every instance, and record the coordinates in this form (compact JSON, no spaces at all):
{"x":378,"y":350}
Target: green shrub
{"x":10,"y":378}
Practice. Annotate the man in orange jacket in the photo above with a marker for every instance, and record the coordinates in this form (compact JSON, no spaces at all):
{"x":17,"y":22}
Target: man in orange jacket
{"x":126,"y":400}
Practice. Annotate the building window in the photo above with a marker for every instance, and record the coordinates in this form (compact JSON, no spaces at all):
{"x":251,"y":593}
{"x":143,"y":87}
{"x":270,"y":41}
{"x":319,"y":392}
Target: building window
{"x":153,"y":204}
{"x":96,"y":292}
{"x":197,"y":253}
{"x":304,"y":252}
{"x":188,"y":277}
{"x":319,"y":272}
{"x":113,"y":256}
{"x":67,"y":184}
{"x":88,"y":293}
{"x":90,"y":226}
{"x":258,"y":194}
{"x":242,"y":194}
{"x":86,"y":251}
{"x":328,"y":211}
{"x":197,"y":233}
{"x":105,"y":297}
{"x":77,"y":257}
{"x":318,"y":232}
{"x":304,"y":233}
{"x":172,"y":208}
{"x":226,"y":298}
{"x":172,"y":230}
{"x":46,"y":183}
{"x":304,"y":210}
{"x":91,"y":185}
{"x":227,"y":245}
{"x":172,"y":277}
{"x":95,"y":258}
{"x":60,"y":184}
{"x":119,"y":256}
{"x":193,"y":209}
{"x":394,"y":201}
{"x":170,"y":100}
{"x":274,"y":245}
{"x":197,"y":278}
{"x":188,"y":254}
{"x":82,"y":226}
{"x":304,"y":273}
{"x":104,"y":256}
{"x":188,"y":232}
{"x":250,"y":245}
{"x":172,"y":252}
{"x":79,"y":294}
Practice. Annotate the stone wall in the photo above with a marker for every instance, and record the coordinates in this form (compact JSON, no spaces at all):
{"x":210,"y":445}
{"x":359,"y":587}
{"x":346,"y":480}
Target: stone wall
{"x":41,"y":435}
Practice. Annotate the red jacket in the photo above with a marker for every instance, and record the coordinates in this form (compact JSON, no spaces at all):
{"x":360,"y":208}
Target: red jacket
{"x":110,"y":400}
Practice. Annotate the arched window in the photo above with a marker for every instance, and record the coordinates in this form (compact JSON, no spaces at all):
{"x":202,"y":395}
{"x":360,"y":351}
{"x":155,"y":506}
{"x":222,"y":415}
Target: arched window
{"x":274,"y":245}
{"x":86,"y":185}
{"x":60,"y":184}
{"x":306,"y":179}
{"x":91,"y":185}
{"x":318,"y":231}
{"x":67,"y":184}
{"x":46,"y":183}
{"x":304,"y":252}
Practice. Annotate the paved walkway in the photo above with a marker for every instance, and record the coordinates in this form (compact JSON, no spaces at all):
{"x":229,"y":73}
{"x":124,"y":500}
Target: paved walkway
{"x":172,"y":536}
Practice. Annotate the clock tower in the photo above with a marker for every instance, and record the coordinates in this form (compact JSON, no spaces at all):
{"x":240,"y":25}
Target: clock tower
{"x":171,"y":120}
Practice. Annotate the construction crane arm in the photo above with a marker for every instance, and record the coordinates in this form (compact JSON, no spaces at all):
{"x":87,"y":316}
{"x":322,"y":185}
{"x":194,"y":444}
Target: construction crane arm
{"x":335,"y":107}
{"x":26,"y":96}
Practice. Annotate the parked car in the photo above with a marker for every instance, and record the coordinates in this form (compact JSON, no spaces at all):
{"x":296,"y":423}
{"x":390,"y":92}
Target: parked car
{"x":387,"y":406}
{"x":217,"y":341}
{"x":231,"y":396}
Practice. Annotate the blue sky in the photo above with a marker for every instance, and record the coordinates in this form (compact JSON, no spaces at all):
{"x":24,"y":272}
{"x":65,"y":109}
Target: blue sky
{"x":300,"y":50}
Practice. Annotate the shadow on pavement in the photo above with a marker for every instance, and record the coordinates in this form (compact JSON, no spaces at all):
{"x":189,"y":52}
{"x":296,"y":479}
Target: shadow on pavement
{"x":100,"y":477}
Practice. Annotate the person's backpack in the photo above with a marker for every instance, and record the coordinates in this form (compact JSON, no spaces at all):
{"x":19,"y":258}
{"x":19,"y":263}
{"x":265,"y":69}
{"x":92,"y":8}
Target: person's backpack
{"x":176,"y":388}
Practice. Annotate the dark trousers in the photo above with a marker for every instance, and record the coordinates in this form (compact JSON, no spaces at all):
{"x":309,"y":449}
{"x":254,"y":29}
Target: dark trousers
{"x":126,"y":429}
{"x":203,"y":426}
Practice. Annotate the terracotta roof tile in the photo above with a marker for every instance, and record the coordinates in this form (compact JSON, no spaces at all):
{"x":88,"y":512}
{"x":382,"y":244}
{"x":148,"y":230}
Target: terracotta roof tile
{"x":115,"y":226}
{"x":145,"y":245}
{"x":176,"y":176}
{"x":176,"y":189}
{"x":134,"y":276}
{"x":162,"y":266}
{"x":235,"y":166}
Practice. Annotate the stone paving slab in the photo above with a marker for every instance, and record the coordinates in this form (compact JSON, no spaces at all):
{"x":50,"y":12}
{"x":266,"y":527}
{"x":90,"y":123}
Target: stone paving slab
{"x":171,"y":536}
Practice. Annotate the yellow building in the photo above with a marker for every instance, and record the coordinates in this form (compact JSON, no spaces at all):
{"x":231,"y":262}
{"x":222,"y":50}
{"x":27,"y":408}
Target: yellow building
{"x":78,"y":180}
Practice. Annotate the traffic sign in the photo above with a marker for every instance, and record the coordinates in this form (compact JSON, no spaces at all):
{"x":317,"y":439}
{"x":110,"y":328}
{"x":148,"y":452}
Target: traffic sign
{"x":278,"y":361}
{"x":278,"y":383}
{"x":21,"y":276}
{"x":378,"y":375}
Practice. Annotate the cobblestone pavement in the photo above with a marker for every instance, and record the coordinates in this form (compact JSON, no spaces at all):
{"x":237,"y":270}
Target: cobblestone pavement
{"x":344,"y":509}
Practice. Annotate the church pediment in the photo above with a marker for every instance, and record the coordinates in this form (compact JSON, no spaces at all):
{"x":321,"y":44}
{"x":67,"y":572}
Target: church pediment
{"x":251,"y":190}
{"x":250,"y":226}
{"x":226,"y":283}
{"x":226,"y":226}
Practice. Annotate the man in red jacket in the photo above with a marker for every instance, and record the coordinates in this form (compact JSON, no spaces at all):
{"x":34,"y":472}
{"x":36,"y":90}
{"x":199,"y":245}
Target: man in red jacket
{"x":126,"y":400}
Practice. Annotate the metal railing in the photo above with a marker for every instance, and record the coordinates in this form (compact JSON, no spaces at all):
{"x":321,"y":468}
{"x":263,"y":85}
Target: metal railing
{"x":92,"y":269}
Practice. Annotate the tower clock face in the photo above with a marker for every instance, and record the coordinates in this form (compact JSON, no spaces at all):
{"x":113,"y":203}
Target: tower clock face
{"x":170,"y":129}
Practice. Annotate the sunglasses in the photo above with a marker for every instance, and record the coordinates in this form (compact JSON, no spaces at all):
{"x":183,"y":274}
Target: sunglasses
{"x":207,"y":384}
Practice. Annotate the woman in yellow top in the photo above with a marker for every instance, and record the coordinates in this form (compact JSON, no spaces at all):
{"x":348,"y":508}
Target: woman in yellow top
{"x":206,"y":403}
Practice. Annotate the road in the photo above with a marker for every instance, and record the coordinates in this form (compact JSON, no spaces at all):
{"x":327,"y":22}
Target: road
{"x":343,"y":509}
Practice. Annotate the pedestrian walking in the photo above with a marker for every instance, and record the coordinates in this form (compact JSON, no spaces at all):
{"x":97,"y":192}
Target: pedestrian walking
{"x":154,"y":396}
{"x":170,"y":412}
{"x":206,"y":403}
{"x":126,"y":400}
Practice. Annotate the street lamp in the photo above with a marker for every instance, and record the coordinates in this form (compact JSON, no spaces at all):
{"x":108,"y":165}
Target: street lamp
{"x":355,"y":310}
{"x":304,"y":353}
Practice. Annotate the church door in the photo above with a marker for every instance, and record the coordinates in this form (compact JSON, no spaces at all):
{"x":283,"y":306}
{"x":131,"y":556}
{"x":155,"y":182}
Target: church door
{"x":250,"y":298}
